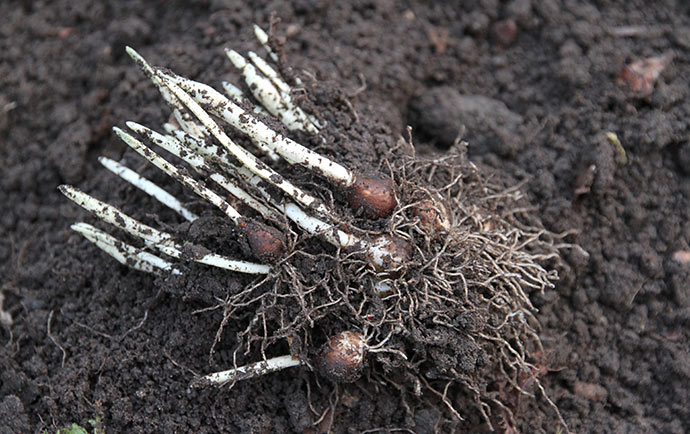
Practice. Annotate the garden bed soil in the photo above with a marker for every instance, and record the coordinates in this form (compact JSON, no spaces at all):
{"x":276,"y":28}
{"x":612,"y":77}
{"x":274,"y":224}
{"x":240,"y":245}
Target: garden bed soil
{"x":537,"y":86}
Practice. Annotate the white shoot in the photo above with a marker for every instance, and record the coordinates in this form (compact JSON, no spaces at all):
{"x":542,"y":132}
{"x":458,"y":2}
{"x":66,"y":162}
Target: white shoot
{"x":269,"y":72}
{"x":382,"y":252}
{"x":317,"y":226}
{"x":290,"y":113}
{"x":175,"y":147}
{"x":148,"y":187}
{"x":245,"y":158}
{"x":249,"y":371}
{"x":236,"y":94}
{"x":181,"y":115}
{"x":263,"y":39}
{"x":187,"y":123}
{"x":163,"y":241}
{"x":177,"y":174}
{"x":277,"y":102}
{"x":124,"y":253}
{"x":290,"y":150}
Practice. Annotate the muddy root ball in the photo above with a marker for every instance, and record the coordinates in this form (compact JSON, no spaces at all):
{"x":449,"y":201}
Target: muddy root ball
{"x":342,"y":357}
{"x":266,"y":242}
{"x":374,"y":196}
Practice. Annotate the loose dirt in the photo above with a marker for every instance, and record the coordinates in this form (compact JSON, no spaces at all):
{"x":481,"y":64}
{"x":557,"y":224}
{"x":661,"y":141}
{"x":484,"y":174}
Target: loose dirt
{"x":533,"y":86}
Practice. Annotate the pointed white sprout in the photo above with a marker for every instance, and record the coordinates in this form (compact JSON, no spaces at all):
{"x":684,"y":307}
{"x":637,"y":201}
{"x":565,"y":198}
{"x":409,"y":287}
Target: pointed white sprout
{"x":124,"y":253}
{"x":278,"y":103}
{"x":175,"y":147}
{"x":245,"y":158}
{"x":148,"y":187}
{"x":316,"y":226}
{"x":378,"y":252}
{"x":237,"y":96}
{"x":290,"y":150}
{"x":269,"y":72}
{"x":263,"y":39}
{"x":291,"y":115}
{"x":163,"y":241}
{"x":183,"y":118}
{"x":234,"y":92}
{"x":177,"y":174}
{"x":249,"y":371}
{"x":115,"y":217}
{"x":187,"y":123}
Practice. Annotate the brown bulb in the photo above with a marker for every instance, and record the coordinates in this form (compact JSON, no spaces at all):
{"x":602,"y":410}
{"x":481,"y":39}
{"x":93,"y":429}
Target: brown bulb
{"x":266,"y":242}
{"x":389,"y":253}
{"x":342,"y":357}
{"x":374,"y":196}
{"x":432,"y":216}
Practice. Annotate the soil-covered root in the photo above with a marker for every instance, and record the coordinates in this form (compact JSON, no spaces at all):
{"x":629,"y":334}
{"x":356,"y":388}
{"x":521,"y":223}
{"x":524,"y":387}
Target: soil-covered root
{"x":459,"y":326}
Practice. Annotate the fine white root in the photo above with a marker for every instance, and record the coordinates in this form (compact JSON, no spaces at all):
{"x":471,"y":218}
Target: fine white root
{"x":148,"y":187}
{"x":124,"y":253}
{"x":248,"y":371}
{"x":163,"y":241}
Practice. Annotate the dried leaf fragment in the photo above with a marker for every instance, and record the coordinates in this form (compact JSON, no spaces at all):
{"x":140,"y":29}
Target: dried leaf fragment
{"x":642,"y":74}
{"x":682,"y":256}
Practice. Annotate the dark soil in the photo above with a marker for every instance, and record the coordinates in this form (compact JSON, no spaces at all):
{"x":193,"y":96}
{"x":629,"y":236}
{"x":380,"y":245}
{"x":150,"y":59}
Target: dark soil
{"x":535,"y":87}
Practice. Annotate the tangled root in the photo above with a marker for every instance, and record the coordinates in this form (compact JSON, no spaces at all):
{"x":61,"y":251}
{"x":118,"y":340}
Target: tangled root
{"x":458,"y":314}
